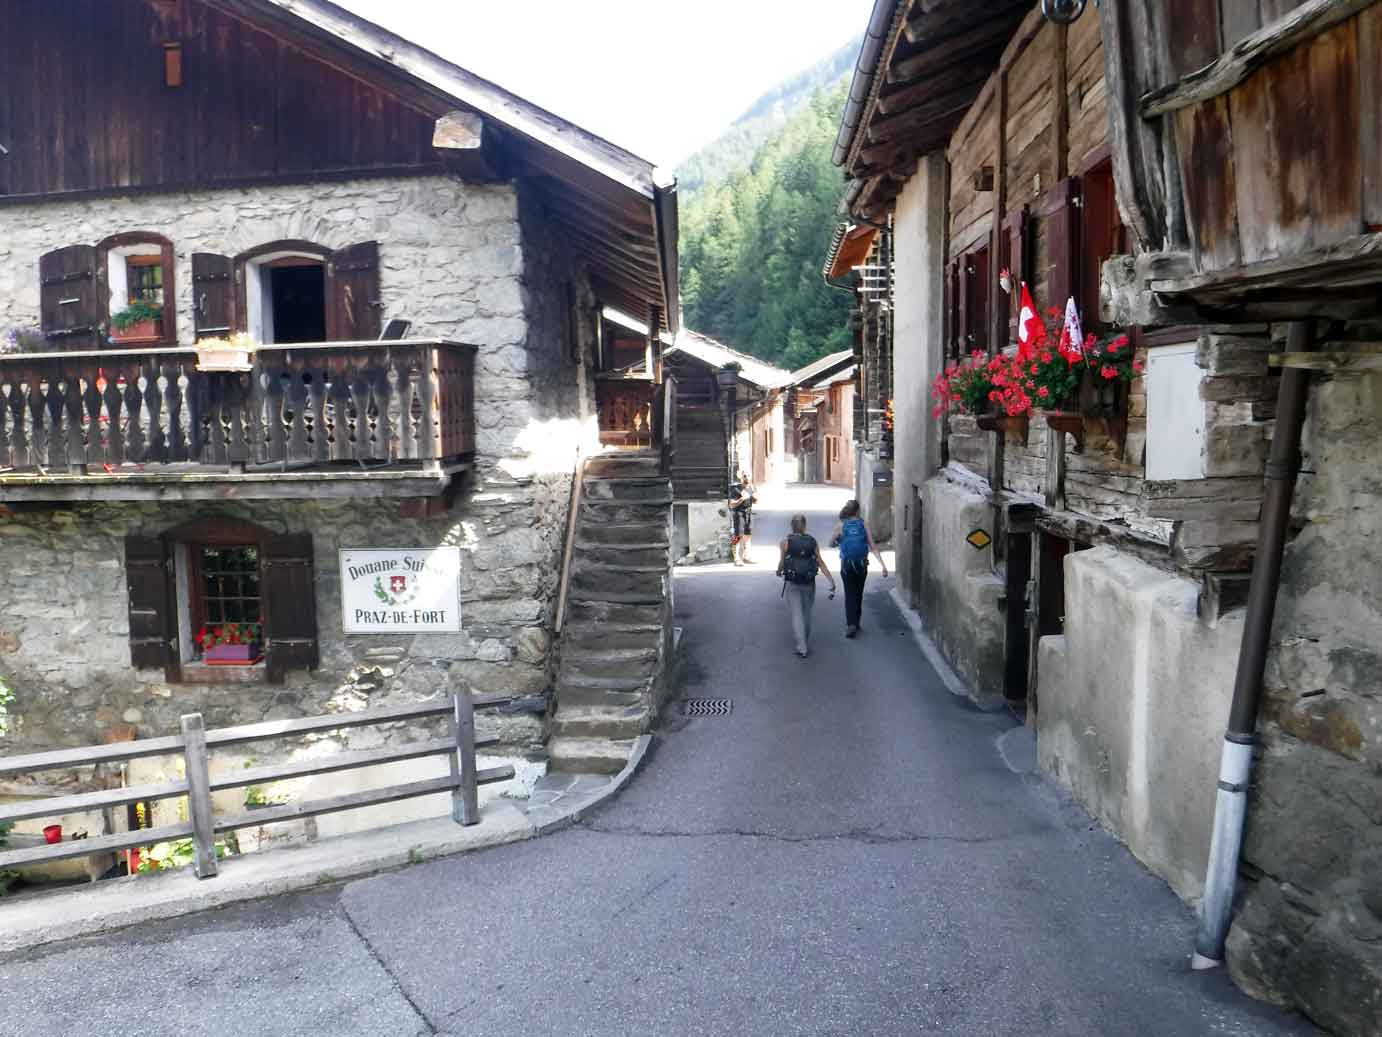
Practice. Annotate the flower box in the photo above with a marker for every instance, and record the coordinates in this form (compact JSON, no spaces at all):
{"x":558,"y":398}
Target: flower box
{"x":231,"y":359}
{"x":140,"y":331}
{"x":233,"y":655}
{"x":1013,"y":426}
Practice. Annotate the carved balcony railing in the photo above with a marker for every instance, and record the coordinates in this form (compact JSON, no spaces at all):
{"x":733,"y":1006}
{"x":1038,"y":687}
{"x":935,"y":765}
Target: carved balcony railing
{"x":332,"y":409}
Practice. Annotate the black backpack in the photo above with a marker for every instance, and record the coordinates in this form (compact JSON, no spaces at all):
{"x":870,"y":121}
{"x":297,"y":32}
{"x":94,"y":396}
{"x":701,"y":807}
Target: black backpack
{"x":800,"y":564}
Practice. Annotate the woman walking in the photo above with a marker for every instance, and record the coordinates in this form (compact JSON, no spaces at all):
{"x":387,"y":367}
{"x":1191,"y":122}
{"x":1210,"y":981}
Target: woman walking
{"x":741,"y":498}
{"x":799,"y":559}
{"x":856,"y":544}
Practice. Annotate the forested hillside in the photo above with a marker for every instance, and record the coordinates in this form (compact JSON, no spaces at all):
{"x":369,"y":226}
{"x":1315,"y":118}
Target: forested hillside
{"x":734,"y":149}
{"x":753,"y":243}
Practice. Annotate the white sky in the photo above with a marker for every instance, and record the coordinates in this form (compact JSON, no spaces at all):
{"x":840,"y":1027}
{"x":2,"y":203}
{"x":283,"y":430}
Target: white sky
{"x":658,"y":77}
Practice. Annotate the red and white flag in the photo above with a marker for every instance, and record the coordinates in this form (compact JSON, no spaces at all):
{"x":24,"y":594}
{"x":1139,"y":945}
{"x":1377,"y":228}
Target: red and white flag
{"x":1074,"y":332}
{"x":1029,"y":326}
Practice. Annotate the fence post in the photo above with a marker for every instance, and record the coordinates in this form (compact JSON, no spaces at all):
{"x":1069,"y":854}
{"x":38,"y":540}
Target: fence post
{"x":465,"y":797}
{"x":199,"y":795}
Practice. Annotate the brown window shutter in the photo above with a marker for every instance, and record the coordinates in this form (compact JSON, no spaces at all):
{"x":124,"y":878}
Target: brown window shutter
{"x":290,"y":602}
{"x":981,"y":292}
{"x":963,"y":294}
{"x":1019,"y":258}
{"x":1062,"y":214}
{"x":352,"y":293}
{"x":213,"y":295}
{"x":1099,"y":237}
{"x":948,"y":335}
{"x":70,"y":301}
{"x":149,"y":576}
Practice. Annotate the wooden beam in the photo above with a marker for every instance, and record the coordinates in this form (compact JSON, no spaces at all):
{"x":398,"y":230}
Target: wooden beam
{"x":964,"y":47}
{"x":1359,"y":356}
{"x":880,"y":159}
{"x":936,"y":27}
{"x":1248,"y":54}
{"x":931,"y":90}
{"x":933,"y":115}
{"x":1352,"y":263}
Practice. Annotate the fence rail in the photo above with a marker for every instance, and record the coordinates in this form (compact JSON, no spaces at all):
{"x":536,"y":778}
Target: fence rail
{"x":194,"y":744}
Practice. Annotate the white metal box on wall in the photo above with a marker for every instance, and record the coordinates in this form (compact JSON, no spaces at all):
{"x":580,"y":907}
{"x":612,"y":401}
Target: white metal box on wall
{"x":1175,"y":414}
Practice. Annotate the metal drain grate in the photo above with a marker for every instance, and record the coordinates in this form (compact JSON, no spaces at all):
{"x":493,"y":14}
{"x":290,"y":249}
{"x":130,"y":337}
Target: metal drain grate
{"x":706,"y":707}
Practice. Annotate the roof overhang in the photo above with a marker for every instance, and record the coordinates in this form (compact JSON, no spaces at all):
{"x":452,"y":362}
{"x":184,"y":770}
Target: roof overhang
{"x":617,"y":210}
{"x":923,"y":64}
{"x":851,"y":250}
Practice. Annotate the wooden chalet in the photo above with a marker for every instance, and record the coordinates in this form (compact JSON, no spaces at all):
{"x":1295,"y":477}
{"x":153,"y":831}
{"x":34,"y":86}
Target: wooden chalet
{"x":1203,"y":177}
{"x":281,"y":286}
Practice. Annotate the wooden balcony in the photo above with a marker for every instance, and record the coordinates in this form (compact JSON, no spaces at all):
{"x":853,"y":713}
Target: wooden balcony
{"x":336,"y":419}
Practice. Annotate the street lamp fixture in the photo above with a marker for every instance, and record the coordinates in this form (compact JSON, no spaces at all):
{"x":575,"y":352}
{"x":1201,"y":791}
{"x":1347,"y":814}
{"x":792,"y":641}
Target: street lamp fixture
{"x":1062,"y":12}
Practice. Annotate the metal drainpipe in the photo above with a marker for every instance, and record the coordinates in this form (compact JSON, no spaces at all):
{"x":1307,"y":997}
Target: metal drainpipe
{"x":1235,"y":768}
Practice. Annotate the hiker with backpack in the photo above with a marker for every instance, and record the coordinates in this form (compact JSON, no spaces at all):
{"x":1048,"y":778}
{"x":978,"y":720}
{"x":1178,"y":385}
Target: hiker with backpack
{"x":798,"y":562}
{"x":741,"y":499}
{"x":855,"y":544}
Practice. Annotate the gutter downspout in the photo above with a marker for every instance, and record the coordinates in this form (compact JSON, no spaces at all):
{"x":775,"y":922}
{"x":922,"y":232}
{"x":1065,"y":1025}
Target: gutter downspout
{"x":1235,"y":768}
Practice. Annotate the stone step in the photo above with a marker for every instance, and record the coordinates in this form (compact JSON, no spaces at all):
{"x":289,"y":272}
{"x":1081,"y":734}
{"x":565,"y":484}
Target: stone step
{"x":576,"y":681}
{"x":631,"y":533}
{"x":624,"y":595}
{"x":595,"y":578}
{"x":590,"y":637}
{"x":617,"y":615}
{"x":623,"y":461}
{"x":602,"y":697}
{"x":589,"y":755}
{"x":608,"y":722}
{"x":644,"y":557}
{"x":603,"y":661}
{"x":656,"y":489}
{"x":624,"y":513}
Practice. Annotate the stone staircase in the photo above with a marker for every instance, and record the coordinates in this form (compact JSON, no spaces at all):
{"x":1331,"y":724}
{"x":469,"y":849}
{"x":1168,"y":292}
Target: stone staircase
{"x":618,"y":617}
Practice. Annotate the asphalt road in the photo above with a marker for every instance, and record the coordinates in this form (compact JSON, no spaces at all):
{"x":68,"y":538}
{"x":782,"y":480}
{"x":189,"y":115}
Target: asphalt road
{"x":846,"y":853}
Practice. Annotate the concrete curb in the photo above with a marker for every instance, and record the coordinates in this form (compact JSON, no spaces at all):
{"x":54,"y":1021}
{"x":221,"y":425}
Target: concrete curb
{"x":118,"y":903}
{"x":989,"y":703}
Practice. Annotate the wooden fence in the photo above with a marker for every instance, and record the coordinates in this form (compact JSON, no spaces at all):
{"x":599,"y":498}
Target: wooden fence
{"x":194,"y":744}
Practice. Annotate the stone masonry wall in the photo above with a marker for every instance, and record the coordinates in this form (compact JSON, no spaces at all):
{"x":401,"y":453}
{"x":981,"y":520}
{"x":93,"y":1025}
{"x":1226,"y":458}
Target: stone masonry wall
{"x":473,"y":263}
{"x":1309,"y":926}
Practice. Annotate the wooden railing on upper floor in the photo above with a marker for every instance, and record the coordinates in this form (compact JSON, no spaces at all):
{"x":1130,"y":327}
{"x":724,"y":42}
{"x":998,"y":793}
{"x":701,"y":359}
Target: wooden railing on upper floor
{"x":393,"y":402}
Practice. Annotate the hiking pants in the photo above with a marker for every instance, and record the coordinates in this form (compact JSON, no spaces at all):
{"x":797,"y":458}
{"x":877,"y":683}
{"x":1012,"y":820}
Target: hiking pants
{"x":801,"y":598}
{"x":853,"y":575}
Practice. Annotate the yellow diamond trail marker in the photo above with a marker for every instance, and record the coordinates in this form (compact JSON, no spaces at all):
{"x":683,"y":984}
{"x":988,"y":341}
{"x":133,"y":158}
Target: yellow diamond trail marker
{"x":979,"y":539}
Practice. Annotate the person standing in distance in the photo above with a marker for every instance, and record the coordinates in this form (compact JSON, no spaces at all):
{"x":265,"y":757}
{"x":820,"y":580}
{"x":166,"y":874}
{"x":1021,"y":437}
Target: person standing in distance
{"x":741,"y":498}
{"x":799,"y":559}
{"x":855,"y":543}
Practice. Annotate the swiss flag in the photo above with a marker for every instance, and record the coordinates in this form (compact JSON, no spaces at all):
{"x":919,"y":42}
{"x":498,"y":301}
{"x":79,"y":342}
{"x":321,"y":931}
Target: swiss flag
{"x":1030,"y":329}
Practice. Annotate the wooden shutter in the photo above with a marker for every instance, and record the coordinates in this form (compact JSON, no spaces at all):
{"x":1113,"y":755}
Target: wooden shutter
{"x":1062,"y":243}
{"x":352,"y":293}
{"x":69,"y":298}
{"x":1099,"y":237}
{"x":948,"y":336}
{"x":213,"y":295}
{"x":963,"y":294}
{"x":149,"y":577}
{"x":1018,"y":227}
{"x":981,"y":292}
{"x":290,"y":605}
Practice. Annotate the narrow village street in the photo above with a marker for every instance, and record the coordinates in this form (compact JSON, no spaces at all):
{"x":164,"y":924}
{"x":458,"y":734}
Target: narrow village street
{"x":850,"y":851}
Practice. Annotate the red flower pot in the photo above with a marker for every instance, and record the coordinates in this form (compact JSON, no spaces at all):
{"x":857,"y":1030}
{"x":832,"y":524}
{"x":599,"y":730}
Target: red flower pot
{"x":53,"y":833}
{"x":142,"y":331}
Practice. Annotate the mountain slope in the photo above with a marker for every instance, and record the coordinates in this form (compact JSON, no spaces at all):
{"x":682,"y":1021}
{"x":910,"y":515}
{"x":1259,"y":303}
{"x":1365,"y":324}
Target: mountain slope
{"x":733,"y":150}
{"x":752,"y":245}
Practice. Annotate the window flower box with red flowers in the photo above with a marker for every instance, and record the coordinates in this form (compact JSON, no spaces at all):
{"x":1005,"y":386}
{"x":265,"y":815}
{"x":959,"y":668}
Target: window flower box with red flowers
{"x":231,"y":644}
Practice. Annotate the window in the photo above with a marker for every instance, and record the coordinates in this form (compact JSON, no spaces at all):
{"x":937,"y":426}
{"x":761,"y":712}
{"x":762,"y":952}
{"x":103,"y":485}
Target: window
{"x":140,"y":302}
{"x":293,"y":291}
{"x":221,"y":593}
{"x":1101,"y":236}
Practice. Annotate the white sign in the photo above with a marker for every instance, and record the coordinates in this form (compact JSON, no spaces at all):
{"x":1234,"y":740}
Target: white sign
{"x":401,"y":590}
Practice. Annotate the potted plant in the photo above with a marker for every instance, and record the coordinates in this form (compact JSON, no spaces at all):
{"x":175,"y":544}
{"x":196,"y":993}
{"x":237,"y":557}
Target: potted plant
{"x":984,"y":387}
{"x":226,"y":354}
{"x":230,"y":644}
{"x":140,"y":321}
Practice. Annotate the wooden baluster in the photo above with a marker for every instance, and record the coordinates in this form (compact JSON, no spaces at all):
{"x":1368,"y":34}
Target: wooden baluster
{"x":237,"y":449}
{"x":175,"y":408}
{"x":429,"y":434}
{"x":76,"y":434}
{"x":57,"y":433}
{"x":6,"y":453}
{"x":136,"y":438}
{"x":19,"y":440}
{"x":359,"y":407}
{"x":295,"y":396}
{"x":380,"y":400}
{"x":393,"y":416}
{"x":114,"y":399}
{"x":219,"y":420}
{"x":318,"y":448}
{"x":407,"y":419}
{"x":38,"y":435}
{"x":256,"y":432}
{"x":157,"y":452}
{"x":273,"y":416}
{"x":338,"y":403}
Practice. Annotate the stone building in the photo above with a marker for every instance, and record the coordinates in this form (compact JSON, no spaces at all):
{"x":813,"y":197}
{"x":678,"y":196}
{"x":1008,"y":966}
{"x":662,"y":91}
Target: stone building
{"x":421,"y":261}
{"x":1206,"y":183}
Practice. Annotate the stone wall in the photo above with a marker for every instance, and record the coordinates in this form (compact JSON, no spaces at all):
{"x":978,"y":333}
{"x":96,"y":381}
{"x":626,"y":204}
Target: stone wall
{"x":959,"y":589}
{"x":1309,"y":927}
{"x":474,"y":263}
{"x":1134,"y":699}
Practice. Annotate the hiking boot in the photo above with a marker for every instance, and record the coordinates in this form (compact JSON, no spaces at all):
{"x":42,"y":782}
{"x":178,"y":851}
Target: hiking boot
{"x":851,"y":631}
